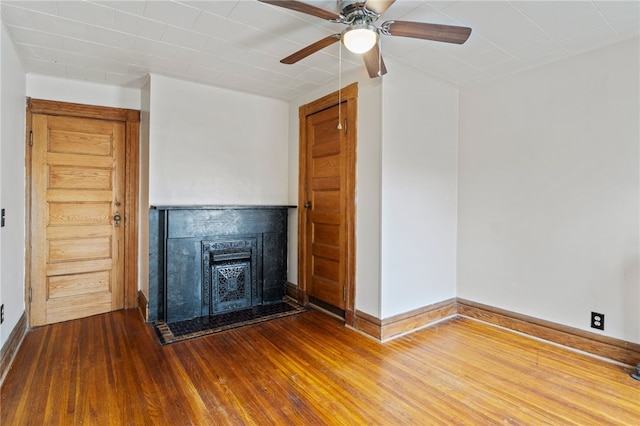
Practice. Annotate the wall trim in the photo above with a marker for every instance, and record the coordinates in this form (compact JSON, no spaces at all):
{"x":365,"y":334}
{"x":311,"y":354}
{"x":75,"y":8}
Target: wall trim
{"x":143,"y":305}
{"x":618,"y":350}
{"x":368,"y":324}
{"x":398,"y":325}
{"x":610,"y":348}
{"x":291,"y":290}
{"x":416,"y":319}
{"x":11,"y":346}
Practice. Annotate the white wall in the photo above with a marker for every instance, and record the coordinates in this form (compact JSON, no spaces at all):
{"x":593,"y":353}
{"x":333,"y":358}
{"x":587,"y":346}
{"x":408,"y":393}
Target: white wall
{"x":214,"y":146}
{"x":12,"y":184}
{"x":549,"y":187}
{"x":419,"y":191}
{"x":81,"y":92}
{"x":367,"y":186}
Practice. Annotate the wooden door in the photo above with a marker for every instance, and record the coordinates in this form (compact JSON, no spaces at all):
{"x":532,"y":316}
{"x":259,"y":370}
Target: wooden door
{"x":327,"y":201}
{"x":78,"y":195}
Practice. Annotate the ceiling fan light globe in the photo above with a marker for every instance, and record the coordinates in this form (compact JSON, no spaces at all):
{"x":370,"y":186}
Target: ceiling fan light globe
{"x":360,"y":38}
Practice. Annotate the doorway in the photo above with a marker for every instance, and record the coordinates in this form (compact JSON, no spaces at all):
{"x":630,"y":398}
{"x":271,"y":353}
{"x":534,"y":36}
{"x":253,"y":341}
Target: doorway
{"x":82,"y":210}
{"x":326,"y":213}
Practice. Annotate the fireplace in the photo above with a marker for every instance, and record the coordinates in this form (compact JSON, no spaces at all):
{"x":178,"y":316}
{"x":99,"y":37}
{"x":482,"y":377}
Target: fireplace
{"x":207,"y":260}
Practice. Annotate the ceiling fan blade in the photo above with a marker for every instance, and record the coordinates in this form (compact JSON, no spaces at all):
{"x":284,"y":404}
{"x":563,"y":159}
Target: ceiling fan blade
{"x":312,"y":48}
{"x":435,"y":32}
{"x":374,"y":62}
{"x":378,"y":6}
{"x":304,"y":8}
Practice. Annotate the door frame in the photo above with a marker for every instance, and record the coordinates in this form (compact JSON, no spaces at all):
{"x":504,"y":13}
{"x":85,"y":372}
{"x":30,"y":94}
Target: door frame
{"x":131,"y":119}
{"x":348,"y":98}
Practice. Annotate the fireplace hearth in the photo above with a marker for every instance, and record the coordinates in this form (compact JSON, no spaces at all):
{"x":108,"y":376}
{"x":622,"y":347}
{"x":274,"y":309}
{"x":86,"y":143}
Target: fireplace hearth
{"x":208,"y":260}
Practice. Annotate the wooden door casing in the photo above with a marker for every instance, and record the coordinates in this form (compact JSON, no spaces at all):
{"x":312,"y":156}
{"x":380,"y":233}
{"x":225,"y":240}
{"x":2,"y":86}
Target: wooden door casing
{"x":326,"y":232}
{"x":82,"y":169}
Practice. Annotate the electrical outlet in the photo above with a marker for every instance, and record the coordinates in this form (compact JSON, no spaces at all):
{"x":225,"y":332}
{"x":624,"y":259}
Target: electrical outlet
{"x":1,"y":313}
{"x":597,"y":320}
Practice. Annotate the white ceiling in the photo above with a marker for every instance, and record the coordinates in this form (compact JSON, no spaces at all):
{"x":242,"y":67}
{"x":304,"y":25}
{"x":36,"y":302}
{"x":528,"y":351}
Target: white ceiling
{"x":238,"y":44}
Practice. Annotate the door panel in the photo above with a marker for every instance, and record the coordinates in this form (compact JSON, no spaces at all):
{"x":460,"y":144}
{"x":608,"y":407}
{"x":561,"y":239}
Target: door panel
{"x":326,"y":214}
{"x":78,"y":186}
{"x":325,"y":190}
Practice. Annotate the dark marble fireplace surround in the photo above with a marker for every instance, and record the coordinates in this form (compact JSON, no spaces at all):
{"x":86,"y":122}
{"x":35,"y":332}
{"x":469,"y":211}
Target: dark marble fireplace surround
{"x":205,"y":260}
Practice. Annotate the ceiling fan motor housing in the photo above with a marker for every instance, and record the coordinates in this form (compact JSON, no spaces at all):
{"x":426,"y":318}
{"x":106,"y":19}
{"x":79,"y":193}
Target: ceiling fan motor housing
{"x":355,"y":12}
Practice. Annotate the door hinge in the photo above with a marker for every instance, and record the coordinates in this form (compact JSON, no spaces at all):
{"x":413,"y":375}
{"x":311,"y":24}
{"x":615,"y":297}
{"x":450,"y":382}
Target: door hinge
{"x":344,"y":293}
{"x":30,"y":294}
{"x":345,"y":126}
{"x":30,"y":138}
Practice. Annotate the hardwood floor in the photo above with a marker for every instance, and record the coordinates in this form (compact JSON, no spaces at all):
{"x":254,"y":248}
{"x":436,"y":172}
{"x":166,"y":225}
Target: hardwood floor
{"x":305,"y":370}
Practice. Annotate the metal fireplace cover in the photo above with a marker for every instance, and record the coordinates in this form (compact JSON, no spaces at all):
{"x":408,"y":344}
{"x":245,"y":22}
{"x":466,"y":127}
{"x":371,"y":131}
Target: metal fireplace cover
{"x":232,"y":261}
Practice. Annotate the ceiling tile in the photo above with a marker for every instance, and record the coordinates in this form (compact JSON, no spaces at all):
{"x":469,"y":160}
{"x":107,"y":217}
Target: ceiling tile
{"x":539,"y":49}
{"x":400,"y":47}
{"x":155,"y":48}
{"x":172,"y":13}
{"x":513,"y":29}
{"x":270,"y":18}
{"x":477,"y":52}
{"x":109,"y":37}
{"x":36,"y":38}
{"x":221,"y":7}
{"x":18,"y":16}
{"x":108,"y":64}
{"x":586,"y":41}
{"x":564,"y":19}
{"x":622,"y":16}
{"x":427,"y":13}
{"x":441,"y":4}
{"x":138,"y":25}
{"x":119,"y":60}
{"x":223,"y":48}
{"x":314,"y":20}
{"x":45,"y":6}
{"x":505,"y":68}
{"x":315,"y":76}
{"x":131,"y":6}
{"x":226,"y":29}
{"x":400,"y":10}
{"x":184,"y":38}
{"x":28,"y":50}
{"x":195,"y":58}
{"x":86,"y":73}
{"x":86,"y":12}
{"x":83,"y":47}
{"x":63,"y":57}
{"x":57,"y":25}
{"x":46,"y":67}
{"x":436,"y":61}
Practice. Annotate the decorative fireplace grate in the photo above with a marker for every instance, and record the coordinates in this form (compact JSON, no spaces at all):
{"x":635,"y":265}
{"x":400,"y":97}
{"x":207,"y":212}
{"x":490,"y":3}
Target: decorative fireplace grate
{"x":229,"y":278}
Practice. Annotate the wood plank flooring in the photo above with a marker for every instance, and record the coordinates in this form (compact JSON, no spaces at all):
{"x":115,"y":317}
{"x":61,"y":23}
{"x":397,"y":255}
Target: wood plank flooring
{"x":307,"y":370}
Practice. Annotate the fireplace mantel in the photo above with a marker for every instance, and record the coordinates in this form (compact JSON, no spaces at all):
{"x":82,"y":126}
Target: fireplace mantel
{"x":178,"y":239}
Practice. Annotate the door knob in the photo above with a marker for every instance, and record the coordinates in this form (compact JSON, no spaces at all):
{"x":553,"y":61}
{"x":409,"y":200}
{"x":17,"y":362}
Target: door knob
{"x":307,"y":205}
{"x":117,"y":219}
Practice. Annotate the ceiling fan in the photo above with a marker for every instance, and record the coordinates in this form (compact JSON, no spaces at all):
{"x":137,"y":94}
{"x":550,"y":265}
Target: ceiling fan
{"x":361,"y":35}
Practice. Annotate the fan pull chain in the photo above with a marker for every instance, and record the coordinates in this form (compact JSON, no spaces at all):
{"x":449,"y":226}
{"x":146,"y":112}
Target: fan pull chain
{"x":379,"y":56}
{"x":340,"y":87}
